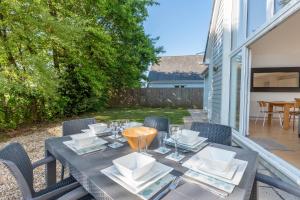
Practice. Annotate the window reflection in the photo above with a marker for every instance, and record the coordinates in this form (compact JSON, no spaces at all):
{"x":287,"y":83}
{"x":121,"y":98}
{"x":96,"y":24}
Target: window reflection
{"x":237,"y":23}
{"x":235,"y":88}
{"x":257,"y":12}
{"x":280,"y":4}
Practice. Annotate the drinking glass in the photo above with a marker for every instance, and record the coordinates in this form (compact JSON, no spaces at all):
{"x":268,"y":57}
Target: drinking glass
{"x":114,"y":126}
{"x":161,"y":143}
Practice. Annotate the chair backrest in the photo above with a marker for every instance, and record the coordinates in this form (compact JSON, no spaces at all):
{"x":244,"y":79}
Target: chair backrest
{"x":215,"y":133}
{"x":159,"y":123}
{"x":15,"y":158}
{"x":75,"y":126}
{"x":262,"y":105}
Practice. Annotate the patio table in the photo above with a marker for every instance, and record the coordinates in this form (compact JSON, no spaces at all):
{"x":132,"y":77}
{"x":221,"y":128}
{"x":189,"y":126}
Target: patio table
{"x":86,"y":170}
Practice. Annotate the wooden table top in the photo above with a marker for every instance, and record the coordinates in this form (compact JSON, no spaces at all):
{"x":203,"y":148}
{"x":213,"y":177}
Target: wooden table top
{"x":281,"y":102}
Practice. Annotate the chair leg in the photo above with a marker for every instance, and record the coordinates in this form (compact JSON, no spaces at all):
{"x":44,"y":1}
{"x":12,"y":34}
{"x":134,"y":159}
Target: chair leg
{"x":256,"y":120}
{"x":294,"y":118}
{"x":280,"y":121}
{"x":265,"y":115}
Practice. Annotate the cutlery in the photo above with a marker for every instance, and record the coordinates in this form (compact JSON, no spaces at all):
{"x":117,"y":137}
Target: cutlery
{"x":171,"y":187}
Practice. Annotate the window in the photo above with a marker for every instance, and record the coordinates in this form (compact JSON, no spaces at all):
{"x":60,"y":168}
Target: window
{"x":237,"y":23}
{"x":279,"y":79}
{"x":278,"y":4}
{"x":257,"y":14}
{"x":235,"y":87}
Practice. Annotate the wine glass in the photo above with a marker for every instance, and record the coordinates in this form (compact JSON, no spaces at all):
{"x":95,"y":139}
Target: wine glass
{"x":175,"y":131}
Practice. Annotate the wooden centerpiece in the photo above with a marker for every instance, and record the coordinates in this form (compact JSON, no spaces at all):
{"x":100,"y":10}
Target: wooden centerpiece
{"x":146,"y":133}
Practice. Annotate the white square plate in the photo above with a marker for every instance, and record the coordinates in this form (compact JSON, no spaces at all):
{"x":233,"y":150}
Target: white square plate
{"x":97,"y":145}
{"x":200,"y":167}
{"x":215,"y":158}
{"x":135,"y":186}
{"x":236,"y":177}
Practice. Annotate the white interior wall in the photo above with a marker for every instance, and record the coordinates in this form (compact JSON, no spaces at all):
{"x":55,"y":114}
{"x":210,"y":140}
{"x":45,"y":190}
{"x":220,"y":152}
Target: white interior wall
{"x":278,"y":48}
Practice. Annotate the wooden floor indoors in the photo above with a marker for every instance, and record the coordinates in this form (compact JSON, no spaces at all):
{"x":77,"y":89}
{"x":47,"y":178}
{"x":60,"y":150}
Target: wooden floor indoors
{"x":287,"y":139}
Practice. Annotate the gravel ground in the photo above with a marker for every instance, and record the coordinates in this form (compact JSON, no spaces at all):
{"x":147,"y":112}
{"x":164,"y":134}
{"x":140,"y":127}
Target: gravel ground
{"x":34,"y":146}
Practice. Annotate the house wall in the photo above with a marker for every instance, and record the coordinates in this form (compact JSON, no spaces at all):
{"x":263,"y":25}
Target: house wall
{"x":216,"y":65}
{"x":206,"y":91}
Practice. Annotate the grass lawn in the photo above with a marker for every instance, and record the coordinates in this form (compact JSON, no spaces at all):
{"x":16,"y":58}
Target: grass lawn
{"x":134,"y":114}
{"x":138,"y":114}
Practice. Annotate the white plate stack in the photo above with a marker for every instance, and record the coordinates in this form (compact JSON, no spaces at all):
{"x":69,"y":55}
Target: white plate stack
{"x":84,"y":143}
{"x":188,"y":140}
{"x":216,"y":170}
{"x":136,"y":172}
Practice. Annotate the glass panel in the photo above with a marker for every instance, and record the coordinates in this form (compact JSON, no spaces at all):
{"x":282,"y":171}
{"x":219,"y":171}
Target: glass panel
{"x":276,"y":79}
{"x":235,"y":89}
{"x":257,"y":12}
{"x":280,"y":4}
{"x":237,"y":23}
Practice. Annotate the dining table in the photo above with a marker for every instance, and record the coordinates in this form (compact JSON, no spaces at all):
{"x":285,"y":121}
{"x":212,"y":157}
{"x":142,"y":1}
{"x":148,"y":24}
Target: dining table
{"x":86,"y":169}
{"x":286,"y":106}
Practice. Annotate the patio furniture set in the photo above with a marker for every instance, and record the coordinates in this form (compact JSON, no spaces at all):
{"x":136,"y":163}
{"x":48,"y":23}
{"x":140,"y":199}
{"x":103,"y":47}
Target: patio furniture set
{"x":286,"y":111}
{"x":142,"y":165}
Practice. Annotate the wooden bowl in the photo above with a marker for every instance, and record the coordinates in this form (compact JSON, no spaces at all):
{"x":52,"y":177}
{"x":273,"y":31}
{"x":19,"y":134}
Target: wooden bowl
{"x":147,"y":134}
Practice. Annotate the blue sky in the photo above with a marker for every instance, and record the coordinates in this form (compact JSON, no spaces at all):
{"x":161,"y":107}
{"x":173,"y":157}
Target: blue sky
{"x":182,"y":25}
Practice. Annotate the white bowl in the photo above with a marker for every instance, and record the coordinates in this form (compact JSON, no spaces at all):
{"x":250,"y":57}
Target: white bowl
{"x":188,"y":136}
{"x":98,"y":128}
{"x":134,"y":165}
{"x":215,"y":158}
{"x":83,"y":139}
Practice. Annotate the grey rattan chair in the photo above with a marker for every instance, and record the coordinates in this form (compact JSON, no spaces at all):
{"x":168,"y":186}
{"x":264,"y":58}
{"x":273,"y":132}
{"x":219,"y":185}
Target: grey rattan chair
{"x":161,"y":124}
{"x":73,"y":127}
{"x":277,"y":183}
{"x":15,"y":158}
{"x":215,"y":133}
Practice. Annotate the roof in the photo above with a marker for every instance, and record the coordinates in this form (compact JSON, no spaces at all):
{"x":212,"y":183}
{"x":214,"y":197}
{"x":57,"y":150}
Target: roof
{"x":174,"y":68}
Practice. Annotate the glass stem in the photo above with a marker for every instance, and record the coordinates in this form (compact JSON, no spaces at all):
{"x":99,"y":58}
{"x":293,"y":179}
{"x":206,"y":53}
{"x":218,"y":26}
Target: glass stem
{"x":176,"y":151}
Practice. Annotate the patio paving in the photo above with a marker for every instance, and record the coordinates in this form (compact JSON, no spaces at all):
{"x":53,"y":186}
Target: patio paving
{"x":34,"y":145}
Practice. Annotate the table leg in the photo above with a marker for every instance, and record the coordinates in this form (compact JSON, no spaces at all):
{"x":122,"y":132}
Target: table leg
{"x":50,"y":171}
{"x":286,"y":117}
{"x":270,"y":109}
{"x":298,"y":127}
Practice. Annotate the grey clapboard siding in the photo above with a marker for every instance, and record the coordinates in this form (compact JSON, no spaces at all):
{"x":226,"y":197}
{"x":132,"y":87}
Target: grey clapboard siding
{"x":159,"y":97}
{"x":217,"y":66}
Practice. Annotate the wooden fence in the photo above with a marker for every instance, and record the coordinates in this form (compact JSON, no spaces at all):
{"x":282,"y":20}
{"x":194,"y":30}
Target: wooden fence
{"x":160,"y":97}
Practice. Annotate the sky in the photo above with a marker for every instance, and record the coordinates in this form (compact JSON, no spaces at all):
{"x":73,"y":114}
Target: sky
{"x":182,"y":25}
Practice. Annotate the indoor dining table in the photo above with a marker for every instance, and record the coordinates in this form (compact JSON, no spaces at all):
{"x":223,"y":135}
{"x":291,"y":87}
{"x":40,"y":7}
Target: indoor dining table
{"x":286,"y":105}
{"x":86,"y":170}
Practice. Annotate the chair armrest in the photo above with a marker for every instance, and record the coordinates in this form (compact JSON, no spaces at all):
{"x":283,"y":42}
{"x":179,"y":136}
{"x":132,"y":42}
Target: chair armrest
{"x":43,"y":161}
{"x":276,"y":182}
{"x":64,"y":189}
{"x":74,"y":194}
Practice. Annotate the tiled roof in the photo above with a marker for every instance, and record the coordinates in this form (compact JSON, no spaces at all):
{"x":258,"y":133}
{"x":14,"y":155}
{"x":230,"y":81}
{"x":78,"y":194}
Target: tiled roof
{"x":177,"y":68}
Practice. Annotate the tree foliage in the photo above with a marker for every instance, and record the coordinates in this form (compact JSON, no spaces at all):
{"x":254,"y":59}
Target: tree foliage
{"x":62,"y":57}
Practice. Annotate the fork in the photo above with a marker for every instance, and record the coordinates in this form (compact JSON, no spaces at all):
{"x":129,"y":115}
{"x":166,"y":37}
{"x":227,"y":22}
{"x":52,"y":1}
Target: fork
{"x":172,"y":186}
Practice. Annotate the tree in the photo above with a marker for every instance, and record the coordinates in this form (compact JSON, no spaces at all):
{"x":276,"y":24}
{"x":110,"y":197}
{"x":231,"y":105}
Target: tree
{"x":66,"y":57}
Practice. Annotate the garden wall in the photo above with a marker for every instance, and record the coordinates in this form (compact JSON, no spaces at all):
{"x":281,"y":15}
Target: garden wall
{"x":159,"y":97}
